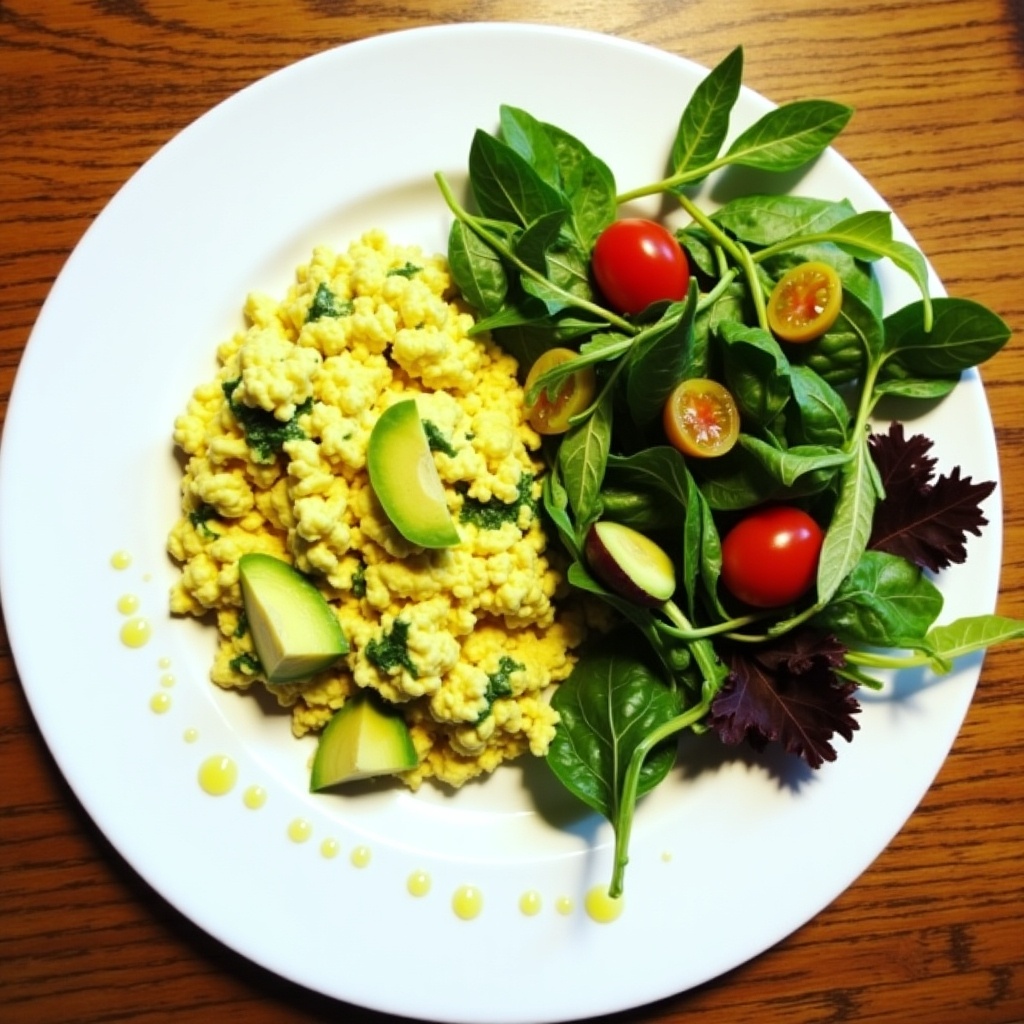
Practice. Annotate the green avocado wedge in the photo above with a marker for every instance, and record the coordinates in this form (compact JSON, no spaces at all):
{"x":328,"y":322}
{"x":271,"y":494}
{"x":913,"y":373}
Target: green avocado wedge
{"x":405,"y":479}
{"x":294,"y":630}
{"x":363,"y":740}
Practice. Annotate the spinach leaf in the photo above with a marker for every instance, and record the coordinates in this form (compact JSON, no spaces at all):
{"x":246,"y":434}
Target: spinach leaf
{"x":607,"y":708}
{"x":756,"y":372}
{"x":885,"y":602}
{"x":582,"y":458}
{"x":476,"y":269}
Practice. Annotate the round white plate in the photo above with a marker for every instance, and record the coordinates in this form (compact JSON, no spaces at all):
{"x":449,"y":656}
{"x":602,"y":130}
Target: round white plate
{"x":728,"y":857}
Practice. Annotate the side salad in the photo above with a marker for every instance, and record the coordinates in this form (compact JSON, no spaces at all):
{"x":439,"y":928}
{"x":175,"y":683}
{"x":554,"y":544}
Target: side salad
{"x":709,"y":397}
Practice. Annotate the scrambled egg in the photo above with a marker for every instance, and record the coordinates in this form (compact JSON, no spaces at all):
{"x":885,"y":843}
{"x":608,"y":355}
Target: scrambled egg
{"x":467,"y":640}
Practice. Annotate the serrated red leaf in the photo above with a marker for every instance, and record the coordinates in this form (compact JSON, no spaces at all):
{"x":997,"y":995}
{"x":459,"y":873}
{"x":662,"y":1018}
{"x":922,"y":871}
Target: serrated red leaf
{"x":787,"y":693}
{"x":923,"y":519}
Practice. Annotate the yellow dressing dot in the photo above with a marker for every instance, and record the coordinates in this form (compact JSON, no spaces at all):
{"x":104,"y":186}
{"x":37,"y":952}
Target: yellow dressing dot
{"x":160,"y":702}
{"x":530,"y":902}
{"x":120,"y":559}
{"x":467,"y":902}
{"x":135,"y":633}
{"x":601,"y":907}
{"x":360,"y":856}
{"x":299,"y":830}
{"x":190,"y":735}
{"x":254,"y":797}
{"x":666,"y":856}
{"x":330,"y":848}
{"x":218,"y":774}
{"x":563,"y":905}
{"x":127,"y":604}
{"x":418,"y":883}
{"x":167,"y":680}
{"x":164,"y":662}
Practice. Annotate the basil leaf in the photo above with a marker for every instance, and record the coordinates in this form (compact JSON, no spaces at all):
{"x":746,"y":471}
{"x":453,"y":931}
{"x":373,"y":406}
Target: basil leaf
{"x":789,"y":136}
{"x":477,"y":269}
{"x":756,"y":372}
{"x":582,"y":459}
{"x":525,"y":135}
{"x":587,"y":183}
{"x":704,"y":123}
{"x":505,"y":186}
{"x":821,"y":414}
{"x":658,"y":360}
{"x":970,"y":634}
{"x":764,"y":220}
{"x":787,"y":465}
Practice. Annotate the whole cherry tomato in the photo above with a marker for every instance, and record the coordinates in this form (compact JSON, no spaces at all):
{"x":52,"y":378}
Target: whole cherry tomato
{"x":637,"y":262}
{"x":770,"y":558}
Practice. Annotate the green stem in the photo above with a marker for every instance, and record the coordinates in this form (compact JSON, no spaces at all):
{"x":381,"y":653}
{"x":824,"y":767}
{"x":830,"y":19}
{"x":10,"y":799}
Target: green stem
{"x":479,"y":229}
{"x":684,"y":630}
{"x":673,"y":182}
{"x":631,"y":784}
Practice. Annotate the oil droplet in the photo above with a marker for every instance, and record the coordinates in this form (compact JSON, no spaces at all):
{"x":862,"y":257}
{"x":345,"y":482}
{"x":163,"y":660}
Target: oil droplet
{"x":127,"y":604}
{"x":467,"y":902}
{"x":601,"y":907}
{"x":360,"y":856}
{"x":160,"y":702}
{"x":254,"y":797}
{"x":529,"y":903}
{"x":135,"y":633}
{"x":563,"y":905}
{"x":218,"y":774}
{"x":164,"y":662}
{"x":120,"y":559}
{"x":418,"y":883}
{"x":666,"y":856}
{"x":190,"y":735}
{"x":299,"y":830}
{"x":167,"y":680}
{"x":330,"y":848}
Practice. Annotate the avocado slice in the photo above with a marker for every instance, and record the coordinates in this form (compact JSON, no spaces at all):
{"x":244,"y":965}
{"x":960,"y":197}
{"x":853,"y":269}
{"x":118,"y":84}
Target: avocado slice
{"x":363,"y":740}
{"x":294,"y":630}
{"x":405,"y":479}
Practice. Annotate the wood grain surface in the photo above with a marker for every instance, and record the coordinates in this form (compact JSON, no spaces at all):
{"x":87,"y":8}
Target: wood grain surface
{"x":89,"y":89}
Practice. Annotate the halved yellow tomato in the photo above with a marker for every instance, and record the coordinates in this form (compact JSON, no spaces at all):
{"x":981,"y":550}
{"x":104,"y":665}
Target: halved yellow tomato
{"x":701,"y":418}
{"x":551,"y":415}
{"x":805,"y":302}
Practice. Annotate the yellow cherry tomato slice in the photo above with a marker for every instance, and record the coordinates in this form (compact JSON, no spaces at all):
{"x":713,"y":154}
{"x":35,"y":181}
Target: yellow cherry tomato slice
{"x":805,"y":302}
{"x":551,"y":414}
{"x":701,"y":418}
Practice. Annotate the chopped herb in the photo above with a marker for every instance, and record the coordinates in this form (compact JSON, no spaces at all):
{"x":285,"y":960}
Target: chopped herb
{"x":493,"y":514}
{"x":392,"y":650}
{"x":499,"y":683}
{"x":246,"y":664}
{"x":359,"y":581}
{"x":326,"y":303}
{"x":243,"y":625}
{"x":264,"y":432}
{"x":409,"y":270}
{"x":200,"y":519}
{"x":436,"y":441}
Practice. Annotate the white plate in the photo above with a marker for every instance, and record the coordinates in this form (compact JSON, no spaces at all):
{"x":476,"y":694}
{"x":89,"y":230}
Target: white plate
{"x":727,"y":858}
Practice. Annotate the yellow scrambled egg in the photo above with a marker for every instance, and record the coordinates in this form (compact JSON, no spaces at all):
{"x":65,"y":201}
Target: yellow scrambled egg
{"x":275,"y":461}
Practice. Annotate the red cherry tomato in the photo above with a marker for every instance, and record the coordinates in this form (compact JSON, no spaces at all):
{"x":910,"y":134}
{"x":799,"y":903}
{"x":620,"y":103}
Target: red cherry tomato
{"x":637,"y":262}
{"x":770,"y":558}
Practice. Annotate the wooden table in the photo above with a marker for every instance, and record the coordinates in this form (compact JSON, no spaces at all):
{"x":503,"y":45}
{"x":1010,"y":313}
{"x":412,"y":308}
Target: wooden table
{"x":932,"y":933}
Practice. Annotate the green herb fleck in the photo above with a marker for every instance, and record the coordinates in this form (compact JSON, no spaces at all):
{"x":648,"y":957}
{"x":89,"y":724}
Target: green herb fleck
{"x":436,"y":441}
{"x":493,"y":514}
{"x":499,"y":683}
{"x":243,"y":625}
{"x":200,"y":519}
{"x":409,"y":270}
{"x":392,"y":650}
{"x":264,"y":432}
{"x":246,"y":665}
{"x":359,"y":581}
{"x":326,"y":303}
